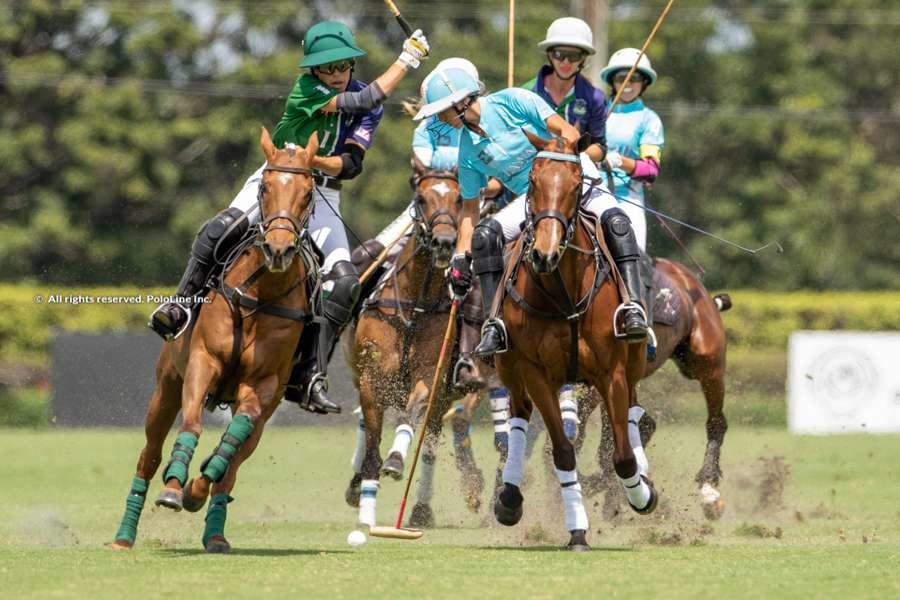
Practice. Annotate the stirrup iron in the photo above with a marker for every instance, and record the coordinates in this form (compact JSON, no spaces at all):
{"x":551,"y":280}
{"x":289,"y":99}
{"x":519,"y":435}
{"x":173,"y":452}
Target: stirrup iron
{"x":622,"y":308}
{"x":187,"y":323}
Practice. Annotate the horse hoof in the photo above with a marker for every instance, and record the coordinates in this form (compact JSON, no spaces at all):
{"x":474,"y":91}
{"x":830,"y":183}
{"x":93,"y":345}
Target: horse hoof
{"x":509,"y":514}
{"x":578,"y":541}
{"x":218,"y":545}
{"x":188,"y":502}
{"x":714,"y":510}
{"x":121,"y":545}
{"x":393,"y":466}
{"x":354,"y":491}
{"x":170,"y":498}
{"x":654,"y":499}
{"x":422,"y":517}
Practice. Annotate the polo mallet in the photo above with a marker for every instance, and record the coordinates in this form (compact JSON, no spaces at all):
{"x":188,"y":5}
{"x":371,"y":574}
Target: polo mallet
{"x":396,"y":12}
{"x":511,"y":45}
{"x":633,"y":68}
{"x":382,"y":256}
{"x":398,"y":531}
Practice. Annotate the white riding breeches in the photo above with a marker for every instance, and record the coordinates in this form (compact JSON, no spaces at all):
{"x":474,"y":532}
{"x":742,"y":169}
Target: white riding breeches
{"x":635,"y":213}
{"x":325,"y":226}
{"x":396,"y":227}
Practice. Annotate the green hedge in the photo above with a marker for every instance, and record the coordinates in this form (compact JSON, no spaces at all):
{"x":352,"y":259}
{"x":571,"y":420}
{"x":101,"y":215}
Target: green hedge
{"x":767,"y":319}
{"x":758,"y":319}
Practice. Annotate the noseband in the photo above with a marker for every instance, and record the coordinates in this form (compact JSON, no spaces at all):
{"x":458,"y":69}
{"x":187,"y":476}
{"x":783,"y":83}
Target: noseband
{"x":441,"y":216}
{"x":551,"y":213}
{"x":297,"y":226}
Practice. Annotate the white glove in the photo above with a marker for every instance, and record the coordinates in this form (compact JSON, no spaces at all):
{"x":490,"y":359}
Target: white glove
{"x":613,"y":159}
{"x":415,"y":48}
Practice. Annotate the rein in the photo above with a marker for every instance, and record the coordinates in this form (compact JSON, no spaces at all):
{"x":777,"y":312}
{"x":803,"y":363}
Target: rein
{"x":237,"y":297}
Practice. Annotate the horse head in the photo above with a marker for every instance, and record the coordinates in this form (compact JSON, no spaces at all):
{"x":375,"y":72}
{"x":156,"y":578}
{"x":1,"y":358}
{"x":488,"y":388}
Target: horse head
{"x":285,"y":200}
{"x":554,"y":192}
{"x":436,"y":209}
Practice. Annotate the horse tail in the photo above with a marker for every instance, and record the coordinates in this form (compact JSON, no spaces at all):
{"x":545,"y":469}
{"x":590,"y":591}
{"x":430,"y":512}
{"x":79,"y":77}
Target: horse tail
{"x":723,"y":302}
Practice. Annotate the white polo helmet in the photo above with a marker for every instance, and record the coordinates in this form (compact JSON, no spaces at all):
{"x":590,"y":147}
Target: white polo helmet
{"x":569,"y":31}
{"x":623,"y":60}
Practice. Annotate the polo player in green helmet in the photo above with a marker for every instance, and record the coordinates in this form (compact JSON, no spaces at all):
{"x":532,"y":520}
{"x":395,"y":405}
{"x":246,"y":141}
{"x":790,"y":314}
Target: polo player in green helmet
{"x":344,"y":113}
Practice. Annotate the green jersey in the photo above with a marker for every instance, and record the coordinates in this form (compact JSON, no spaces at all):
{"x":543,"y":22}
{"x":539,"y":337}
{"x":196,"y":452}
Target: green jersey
{"x":303,"y":115}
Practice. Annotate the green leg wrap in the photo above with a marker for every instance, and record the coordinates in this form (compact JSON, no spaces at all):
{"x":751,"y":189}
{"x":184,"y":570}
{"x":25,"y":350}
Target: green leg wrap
{"x":134,"y":504}
{"x":185,"y":444}
{"x":236,"y":434}
{"x":216,"y":513}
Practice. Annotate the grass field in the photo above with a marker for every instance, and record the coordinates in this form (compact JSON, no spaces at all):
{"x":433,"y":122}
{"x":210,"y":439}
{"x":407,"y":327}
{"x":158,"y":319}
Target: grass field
{"x":805,"y":517}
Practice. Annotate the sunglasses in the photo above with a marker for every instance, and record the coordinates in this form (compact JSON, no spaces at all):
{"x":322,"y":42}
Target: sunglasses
{"x":339,"y":66}
{"x":573,"y":56}
{"x":635,"y":77}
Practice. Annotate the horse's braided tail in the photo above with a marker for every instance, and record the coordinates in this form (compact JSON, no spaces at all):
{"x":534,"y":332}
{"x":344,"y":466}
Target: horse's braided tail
{"x":723,"y":302}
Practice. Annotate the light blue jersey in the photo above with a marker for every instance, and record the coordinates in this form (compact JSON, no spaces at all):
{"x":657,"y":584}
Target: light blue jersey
{"x":436,"y":147}
{"x":505,"y":153}
{"x":629,"y":127}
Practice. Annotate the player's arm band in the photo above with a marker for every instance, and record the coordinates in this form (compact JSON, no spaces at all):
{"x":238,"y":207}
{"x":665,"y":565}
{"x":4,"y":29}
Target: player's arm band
{"x":371,"y":96}
{"x":351,"y":161}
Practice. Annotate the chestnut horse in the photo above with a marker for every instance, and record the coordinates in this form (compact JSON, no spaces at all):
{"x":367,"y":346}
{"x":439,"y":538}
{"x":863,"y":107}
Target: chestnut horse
{"x":262,"y":297}
{"x":393,"y":347}
{"x":561,"y":297}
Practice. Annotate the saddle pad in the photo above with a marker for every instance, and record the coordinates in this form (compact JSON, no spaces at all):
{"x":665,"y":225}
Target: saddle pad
{"x":666,"y":303}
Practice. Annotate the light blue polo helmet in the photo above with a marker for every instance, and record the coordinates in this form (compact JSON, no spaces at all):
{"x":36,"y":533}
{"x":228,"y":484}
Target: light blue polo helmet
{"x":452,"y":80}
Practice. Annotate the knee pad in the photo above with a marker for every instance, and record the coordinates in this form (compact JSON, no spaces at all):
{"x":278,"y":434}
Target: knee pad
{"x":219,"y":234}
{"x":342,"y":292}
{"x":619,"y":235}
{"x":487,"y":247}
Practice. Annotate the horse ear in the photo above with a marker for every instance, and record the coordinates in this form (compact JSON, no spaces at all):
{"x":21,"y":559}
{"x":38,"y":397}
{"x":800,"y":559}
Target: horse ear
{"x":537,"y":141}
{"x":418,"y":166}
{"x":312,"y":145}
{"x":583,"y":142}
{"x":268,"y":147}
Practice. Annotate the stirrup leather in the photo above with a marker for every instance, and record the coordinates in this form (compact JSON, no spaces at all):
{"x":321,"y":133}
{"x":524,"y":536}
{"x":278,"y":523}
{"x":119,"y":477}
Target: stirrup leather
{"x":187,"y":322}
{"x":620,"y":310}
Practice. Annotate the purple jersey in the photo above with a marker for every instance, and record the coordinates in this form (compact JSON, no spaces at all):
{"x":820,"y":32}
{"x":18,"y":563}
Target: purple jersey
{"x":359,"y":127}
{"x":584,"y":106}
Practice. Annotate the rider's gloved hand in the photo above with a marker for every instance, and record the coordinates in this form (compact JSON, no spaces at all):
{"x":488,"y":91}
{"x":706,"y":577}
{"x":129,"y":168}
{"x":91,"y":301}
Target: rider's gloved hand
{"x":460,"y":275}
{"x":415,"y":48}
{"x":613,"y":159}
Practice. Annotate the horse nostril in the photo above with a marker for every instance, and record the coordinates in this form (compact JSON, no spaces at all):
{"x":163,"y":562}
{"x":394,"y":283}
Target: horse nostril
{"x":536,"y":257}
{"x":553,"y":258}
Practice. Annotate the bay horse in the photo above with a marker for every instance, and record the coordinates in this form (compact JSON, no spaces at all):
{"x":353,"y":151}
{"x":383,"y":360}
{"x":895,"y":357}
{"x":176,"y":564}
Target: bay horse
{"x":262,"y":298}
{"x":393,"y":347}
{"x":691,"y":334}
{"x":560,"y":299}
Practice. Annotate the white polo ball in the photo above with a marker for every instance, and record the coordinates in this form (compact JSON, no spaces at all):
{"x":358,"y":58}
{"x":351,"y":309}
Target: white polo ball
{"x":356,"y":538}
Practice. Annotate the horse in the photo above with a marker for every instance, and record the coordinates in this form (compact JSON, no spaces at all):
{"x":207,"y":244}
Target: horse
{"x":392,"y":349}
{"x":262,"y":297}
{"x":690,"y":333}
{"x":554,"y":339}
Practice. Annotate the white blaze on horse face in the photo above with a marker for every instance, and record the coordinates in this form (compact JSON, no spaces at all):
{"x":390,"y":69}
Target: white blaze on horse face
{"x":441,"y":188}
{"x":285,"y":178}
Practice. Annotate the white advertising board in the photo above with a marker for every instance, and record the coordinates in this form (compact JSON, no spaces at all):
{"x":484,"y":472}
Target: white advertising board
{"x":843,"y":382}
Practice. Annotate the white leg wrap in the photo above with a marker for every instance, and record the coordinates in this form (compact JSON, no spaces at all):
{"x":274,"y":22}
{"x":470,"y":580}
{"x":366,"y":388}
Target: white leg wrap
{"x":425,"y":486}
{"x":637,"y":490}
{"x":515,"y":460}
{"x":709,"y":494}
{"x":576,"y":515}
{"x":403,"y":435}
{"x":360,"y":453}
{"x":634,"y":438}
{"x":368,"y":492}
{"x":569,"y":409}
{"x":500,"y":410}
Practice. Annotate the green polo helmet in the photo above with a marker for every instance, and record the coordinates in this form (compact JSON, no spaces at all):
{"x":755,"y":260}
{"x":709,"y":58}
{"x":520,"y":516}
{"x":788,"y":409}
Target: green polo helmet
{"x":328,"y":41}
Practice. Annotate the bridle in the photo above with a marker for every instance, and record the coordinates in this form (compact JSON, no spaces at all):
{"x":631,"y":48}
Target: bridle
{"x":267,"y":222}
{"x":568,"y":223}
{"x":442,"y":216}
